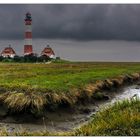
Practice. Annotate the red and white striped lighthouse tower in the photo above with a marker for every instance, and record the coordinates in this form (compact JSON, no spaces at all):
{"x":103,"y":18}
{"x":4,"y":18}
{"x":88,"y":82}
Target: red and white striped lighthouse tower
{"x":28,"y":50}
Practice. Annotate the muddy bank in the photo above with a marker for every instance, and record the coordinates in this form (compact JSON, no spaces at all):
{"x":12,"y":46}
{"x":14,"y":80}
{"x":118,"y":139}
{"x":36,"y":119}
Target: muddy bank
{"x":66,"y":119}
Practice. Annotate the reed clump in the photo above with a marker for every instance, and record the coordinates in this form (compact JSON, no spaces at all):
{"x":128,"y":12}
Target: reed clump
{"x":22,"y":101}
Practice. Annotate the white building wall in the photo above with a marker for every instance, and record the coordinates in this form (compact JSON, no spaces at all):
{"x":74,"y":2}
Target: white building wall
{"x":8,"y":55}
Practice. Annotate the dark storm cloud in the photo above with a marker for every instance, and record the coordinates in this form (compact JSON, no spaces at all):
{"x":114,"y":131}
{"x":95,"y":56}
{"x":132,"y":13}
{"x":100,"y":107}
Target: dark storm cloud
{"x":79,"y":22}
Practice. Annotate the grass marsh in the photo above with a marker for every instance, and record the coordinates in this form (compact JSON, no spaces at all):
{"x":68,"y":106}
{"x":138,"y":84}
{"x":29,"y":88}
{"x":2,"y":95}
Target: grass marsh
{"x":35,"y":86}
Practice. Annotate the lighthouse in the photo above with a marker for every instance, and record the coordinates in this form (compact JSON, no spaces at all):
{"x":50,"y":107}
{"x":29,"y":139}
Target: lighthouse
{"x":28,"y":50}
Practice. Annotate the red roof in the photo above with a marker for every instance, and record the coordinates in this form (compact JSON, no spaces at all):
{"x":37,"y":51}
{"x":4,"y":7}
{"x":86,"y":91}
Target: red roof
{"x":8,"y":50}
{"x":47,"y":52}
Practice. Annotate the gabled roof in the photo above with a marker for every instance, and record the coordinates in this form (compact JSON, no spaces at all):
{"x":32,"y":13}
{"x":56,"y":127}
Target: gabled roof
{"x":8,"y":50}
{"x":47,"y":51}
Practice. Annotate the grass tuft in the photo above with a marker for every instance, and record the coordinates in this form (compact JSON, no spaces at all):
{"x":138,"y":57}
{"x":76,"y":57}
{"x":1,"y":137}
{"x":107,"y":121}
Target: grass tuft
{"x":20,"y":101}
{"x":122,"y":119}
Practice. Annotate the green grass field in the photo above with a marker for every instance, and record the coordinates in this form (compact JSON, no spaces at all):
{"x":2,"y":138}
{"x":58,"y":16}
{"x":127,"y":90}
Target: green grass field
{"x":59,"y":77}
{"x":34,"y":86}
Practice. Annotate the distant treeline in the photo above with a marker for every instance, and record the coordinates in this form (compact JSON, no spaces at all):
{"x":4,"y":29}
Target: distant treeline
{"x":27,"y":59}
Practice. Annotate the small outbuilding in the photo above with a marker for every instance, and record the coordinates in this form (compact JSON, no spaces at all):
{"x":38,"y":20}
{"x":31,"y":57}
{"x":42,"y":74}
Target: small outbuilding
{"x":8,"y":52}
{"x":48,"y":52}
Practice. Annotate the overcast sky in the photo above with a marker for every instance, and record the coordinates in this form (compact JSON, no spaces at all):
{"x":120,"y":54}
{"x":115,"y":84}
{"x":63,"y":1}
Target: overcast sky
{"x":76,"y":22}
